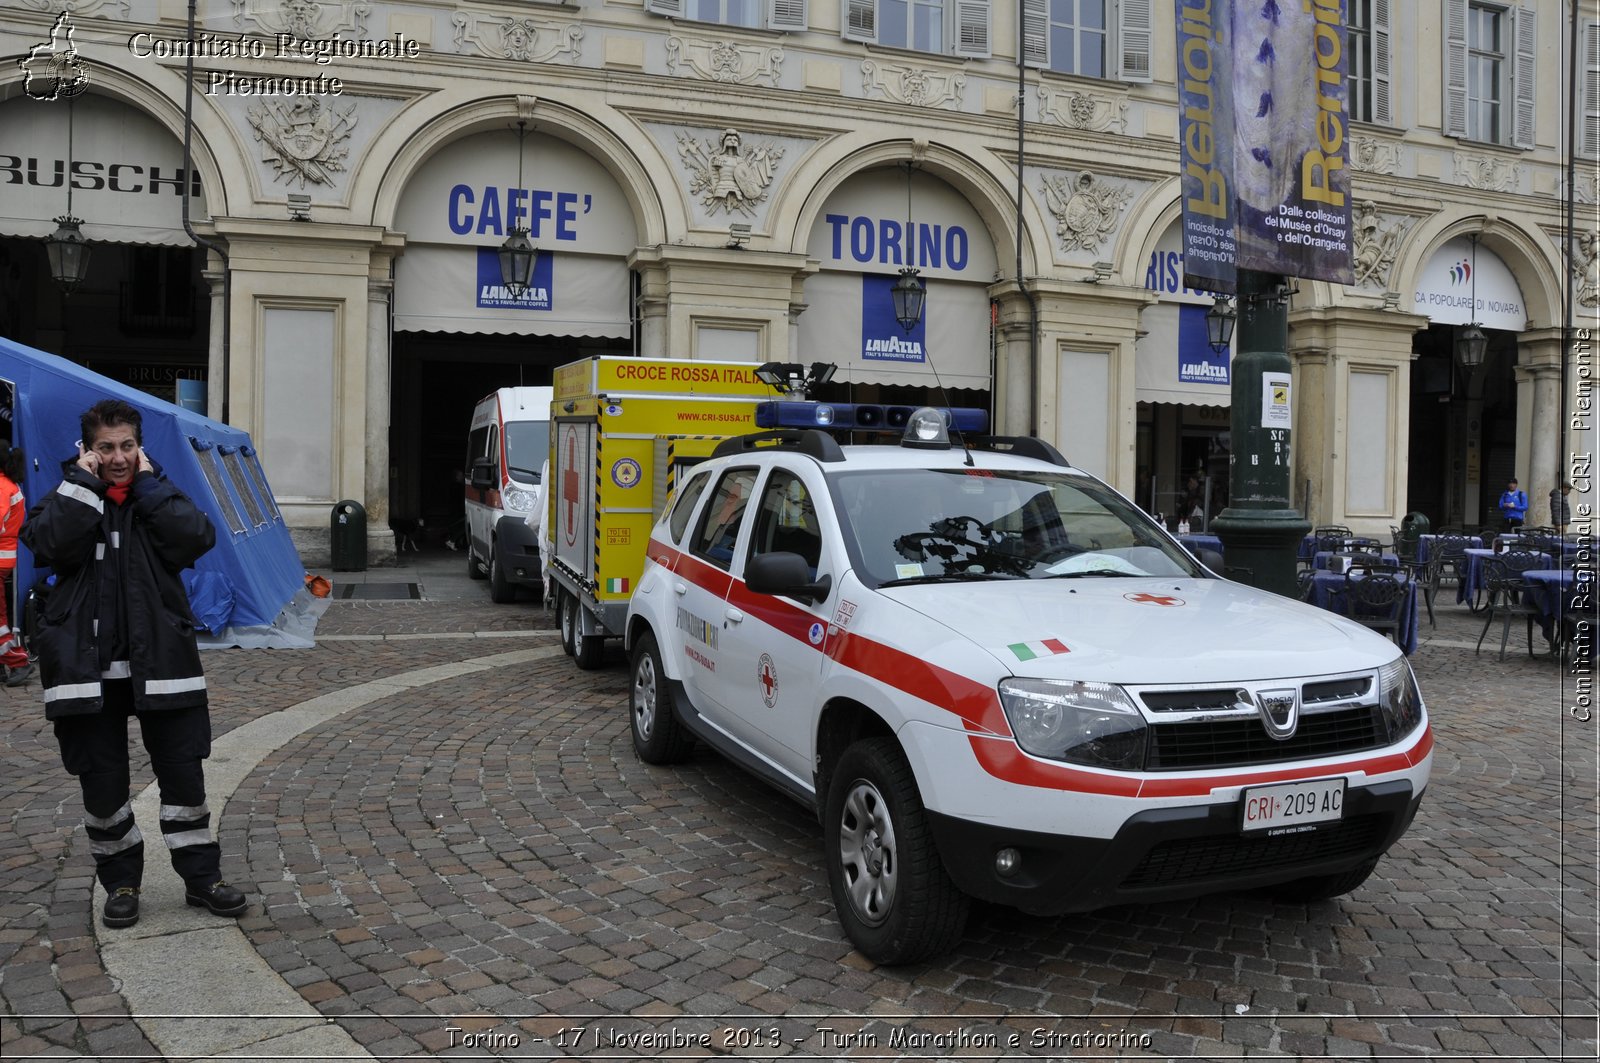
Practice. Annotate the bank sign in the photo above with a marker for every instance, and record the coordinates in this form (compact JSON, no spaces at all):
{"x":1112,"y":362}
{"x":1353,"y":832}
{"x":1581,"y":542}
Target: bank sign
{"x":882,"y":337}
{"x":1264,"y":150}
{"x":492,"y":292}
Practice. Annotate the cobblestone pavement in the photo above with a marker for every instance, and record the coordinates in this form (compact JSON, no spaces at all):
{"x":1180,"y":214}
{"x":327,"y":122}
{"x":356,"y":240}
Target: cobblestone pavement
{"x":477,"y":868}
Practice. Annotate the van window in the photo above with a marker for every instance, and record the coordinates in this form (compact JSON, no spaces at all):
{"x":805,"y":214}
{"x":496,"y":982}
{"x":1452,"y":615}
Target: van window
{"x":527,"y":448}
{"x":477,"y":447}
{"x":684,"y":506}
{"x":719,"y":526}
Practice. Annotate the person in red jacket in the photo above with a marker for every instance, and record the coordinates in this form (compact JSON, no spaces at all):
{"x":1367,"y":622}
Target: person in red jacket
{"x":12,"y":508}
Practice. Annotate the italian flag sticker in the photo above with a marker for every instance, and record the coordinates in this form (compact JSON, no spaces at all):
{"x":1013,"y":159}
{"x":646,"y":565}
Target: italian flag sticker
{"x":1027,"y":651}
{"x":617,"y":585}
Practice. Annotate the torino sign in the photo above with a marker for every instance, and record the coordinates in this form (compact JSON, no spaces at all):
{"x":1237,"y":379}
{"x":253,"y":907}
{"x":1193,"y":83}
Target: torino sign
{"x":1265,"y":177}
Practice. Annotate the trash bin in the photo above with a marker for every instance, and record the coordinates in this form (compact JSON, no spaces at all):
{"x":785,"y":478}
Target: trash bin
{"x":1412,"y":527}
{"x":348,"y":533}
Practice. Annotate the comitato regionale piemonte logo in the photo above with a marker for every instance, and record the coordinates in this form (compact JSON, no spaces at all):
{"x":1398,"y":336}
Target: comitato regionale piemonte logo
{"x":54,"y":70}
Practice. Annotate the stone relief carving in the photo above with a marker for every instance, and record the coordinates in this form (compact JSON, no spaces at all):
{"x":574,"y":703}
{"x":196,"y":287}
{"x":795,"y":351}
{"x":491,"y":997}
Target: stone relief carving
{"x":302,"y":138}
{"x":1487,"y":172}
{"x":526,"y":40}
{"x":1086,"y":210}
{"x":1586,"y":187}
{"x":1371,"y":155}
{"x":724,"y":61}
{"x":1082,"y":110}
{"x":305,"y":19}
{"x":724,"y":175}
{"x":1376,"y":245}
{"x":123,"y":8}
{"x":912,"y":85}
{"x":1586,"y":268}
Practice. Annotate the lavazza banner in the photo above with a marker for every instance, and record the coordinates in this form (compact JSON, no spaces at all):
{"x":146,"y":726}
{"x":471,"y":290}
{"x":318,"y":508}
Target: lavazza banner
{"x":1265,"y":181}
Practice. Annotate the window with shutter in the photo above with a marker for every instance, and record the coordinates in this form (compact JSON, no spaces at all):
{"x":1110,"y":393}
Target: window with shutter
{"x":669,"y":8}
{"x":860,"y":20}
{"x":972,"y":28}
{"x":1589,"y":133}
{"x":1133,"y":40}
{"x":1524,"y":77}
{"x":1067,"y":36}
{"x":1382,"y":110}
{"x":1455,"y":68}
{"x":787,"y":15}
{"x":1035,"y":20}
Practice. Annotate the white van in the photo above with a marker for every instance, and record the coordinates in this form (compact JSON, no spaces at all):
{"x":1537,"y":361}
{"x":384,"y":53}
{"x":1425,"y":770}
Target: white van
{"x":508,"y":443}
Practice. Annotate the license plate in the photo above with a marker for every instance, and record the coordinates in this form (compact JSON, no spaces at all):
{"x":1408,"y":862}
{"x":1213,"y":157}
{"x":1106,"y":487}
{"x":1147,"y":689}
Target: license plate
{"x":1291,"y":806}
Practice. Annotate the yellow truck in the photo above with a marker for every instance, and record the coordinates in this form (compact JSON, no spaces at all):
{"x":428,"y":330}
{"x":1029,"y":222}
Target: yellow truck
{"x":621,"y":430}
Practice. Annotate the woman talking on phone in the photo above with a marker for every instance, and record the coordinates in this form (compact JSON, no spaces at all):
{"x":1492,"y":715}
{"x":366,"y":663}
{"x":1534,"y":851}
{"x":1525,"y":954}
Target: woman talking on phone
{"x":116,"y":640}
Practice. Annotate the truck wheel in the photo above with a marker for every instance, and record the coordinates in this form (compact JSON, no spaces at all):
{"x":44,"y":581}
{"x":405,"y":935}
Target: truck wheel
{"x":658,"y":737}
{"x":501,"y":589}
{"x":473,"y":571}
{"x":589,"y":651}
{"x":892,"y":893}
{"x":567,"y":617}
{"x":1325,"y":887}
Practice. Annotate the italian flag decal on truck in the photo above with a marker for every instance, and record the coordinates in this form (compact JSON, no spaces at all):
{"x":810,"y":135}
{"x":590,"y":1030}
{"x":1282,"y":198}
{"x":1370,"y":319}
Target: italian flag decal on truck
{"x":617,"y":585}
{"x":1027,"y":651}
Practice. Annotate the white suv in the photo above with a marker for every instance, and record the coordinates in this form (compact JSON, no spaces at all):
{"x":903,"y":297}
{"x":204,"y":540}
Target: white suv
{"x":990,"y":675}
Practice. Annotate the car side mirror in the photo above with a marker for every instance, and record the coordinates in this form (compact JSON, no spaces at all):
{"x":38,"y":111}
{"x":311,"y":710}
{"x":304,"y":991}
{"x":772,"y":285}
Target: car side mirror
{"x":481,"y":473}
{"x":785,"y":573}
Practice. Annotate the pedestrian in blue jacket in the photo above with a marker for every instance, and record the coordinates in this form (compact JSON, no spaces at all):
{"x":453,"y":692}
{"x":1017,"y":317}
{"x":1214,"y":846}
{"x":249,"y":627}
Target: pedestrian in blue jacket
{"x":1513,"y":506}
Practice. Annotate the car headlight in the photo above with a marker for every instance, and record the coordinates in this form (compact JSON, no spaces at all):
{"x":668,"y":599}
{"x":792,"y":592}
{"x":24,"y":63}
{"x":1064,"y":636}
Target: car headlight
{"x":1399,"y":698}
{"x":1095,"y":724}
{"x":520,"y":500}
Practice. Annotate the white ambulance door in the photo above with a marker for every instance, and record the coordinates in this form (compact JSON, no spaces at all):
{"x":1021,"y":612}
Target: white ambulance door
{"x":701,"y":583}
{"x":772,"y":645}
{"x":482,"y":478}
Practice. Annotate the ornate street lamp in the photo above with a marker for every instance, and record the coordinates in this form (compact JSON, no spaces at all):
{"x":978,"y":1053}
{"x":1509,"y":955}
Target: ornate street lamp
{"x":909,"y":293}
{"x":517,"y":254}
{"x":1471,"y":343}
{"x":66,"y":248}
{"x":1220,"y":319}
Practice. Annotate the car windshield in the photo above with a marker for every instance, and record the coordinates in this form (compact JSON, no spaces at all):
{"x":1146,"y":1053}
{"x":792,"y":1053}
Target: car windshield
{"x":945,"y":525}
{"x":527,"y":447}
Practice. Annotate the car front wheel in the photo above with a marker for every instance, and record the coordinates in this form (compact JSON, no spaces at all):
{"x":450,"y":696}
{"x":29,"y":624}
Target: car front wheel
{"x":892,"y":893}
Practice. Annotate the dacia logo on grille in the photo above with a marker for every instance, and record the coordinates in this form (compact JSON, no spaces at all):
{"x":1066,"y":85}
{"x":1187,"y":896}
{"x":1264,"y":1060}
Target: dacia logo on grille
{"x":1280,"y":712}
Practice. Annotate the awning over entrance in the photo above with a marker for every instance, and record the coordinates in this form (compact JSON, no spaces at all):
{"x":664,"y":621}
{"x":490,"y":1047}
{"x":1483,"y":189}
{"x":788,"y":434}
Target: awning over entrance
{"x":128,"y":173}
{"x":1173,"y":361}
{"x":457,"y":289}
{"x":863,"y":238}
{"x":1458,"y":271}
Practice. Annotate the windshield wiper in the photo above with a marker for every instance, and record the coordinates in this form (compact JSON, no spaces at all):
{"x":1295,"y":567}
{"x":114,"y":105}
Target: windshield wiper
{"x":1104,"y":573}
{"x":949,"y":577}
{"x":531,"y":475}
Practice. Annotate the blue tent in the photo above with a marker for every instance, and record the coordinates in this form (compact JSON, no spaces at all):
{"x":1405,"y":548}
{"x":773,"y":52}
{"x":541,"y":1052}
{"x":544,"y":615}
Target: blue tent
{"x":242,"y":585}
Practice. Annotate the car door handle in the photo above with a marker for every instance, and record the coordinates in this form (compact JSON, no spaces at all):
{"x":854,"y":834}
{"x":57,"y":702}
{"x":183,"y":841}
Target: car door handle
{"x":734,"y":616}
{"x":681,"y":588}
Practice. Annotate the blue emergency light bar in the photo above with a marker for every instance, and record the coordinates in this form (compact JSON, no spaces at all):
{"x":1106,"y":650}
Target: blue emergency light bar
{"x":862,"y":416}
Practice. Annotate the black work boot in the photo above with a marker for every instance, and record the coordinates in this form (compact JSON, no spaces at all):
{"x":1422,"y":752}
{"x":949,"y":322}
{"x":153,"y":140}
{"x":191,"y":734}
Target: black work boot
{"x":220,"y":897}
{"x":122,"y":907}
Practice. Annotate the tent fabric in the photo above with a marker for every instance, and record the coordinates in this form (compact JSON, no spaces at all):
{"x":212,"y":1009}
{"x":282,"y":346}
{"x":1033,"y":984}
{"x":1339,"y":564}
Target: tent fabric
{"x":957,"y":327}
{"x":1157,"y":363}
{"x":254,"y":562}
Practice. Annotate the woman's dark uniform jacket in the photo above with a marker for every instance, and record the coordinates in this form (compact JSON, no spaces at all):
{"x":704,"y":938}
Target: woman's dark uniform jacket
{"x":161,"y":532}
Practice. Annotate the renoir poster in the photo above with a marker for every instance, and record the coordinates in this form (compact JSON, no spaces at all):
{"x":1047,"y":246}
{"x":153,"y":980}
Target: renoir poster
{"x":1265,"y":181}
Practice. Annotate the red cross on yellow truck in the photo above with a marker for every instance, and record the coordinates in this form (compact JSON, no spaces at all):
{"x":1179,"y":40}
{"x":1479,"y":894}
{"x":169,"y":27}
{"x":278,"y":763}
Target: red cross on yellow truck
{"x":621,"y":431}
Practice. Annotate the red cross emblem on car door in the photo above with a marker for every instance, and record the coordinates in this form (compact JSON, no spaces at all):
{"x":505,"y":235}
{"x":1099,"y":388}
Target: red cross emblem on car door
{"x":767,"y":674}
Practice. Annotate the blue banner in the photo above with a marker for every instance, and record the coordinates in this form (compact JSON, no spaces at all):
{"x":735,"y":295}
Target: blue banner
{"x":882,"y":338}
{"x":1263,"y":138}
{"x":492,"y":293}
{"x":1197,"y":362}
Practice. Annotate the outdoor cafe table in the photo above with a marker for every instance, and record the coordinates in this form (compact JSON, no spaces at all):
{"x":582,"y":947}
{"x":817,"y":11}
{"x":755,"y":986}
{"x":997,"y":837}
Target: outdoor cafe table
{"x":1319,"y":560}
{"x":1327,"y":592}
{"x":1425,"y":544}
{"x":1307,"y":550}
{"x":1547,"y":589}
{"x":1195,"y":542}
{"x":1472,"y":581}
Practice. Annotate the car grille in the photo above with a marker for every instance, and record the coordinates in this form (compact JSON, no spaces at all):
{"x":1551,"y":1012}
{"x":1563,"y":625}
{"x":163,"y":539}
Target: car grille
{"x":1196,"y":859}
{"x":1242,"y":740}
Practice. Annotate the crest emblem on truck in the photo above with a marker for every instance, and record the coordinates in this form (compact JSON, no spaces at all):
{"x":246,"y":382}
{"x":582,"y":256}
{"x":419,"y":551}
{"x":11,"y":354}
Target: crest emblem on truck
{"x":1280,"y":712}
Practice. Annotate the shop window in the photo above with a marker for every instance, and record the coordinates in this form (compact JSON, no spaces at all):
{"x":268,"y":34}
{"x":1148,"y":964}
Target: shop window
{"x":939,"y":27}
{"x":1490,"y":70}
{"x":158,"y":298}
{"x":1367,"y":37}
{"x":1089,"y":38}
{"x":751,"y":14}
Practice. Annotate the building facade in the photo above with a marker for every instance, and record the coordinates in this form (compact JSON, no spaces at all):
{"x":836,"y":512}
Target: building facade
{"x":744,"y":179}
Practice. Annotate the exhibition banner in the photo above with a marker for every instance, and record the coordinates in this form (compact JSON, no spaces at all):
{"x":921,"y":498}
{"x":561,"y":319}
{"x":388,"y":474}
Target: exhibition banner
{"x":1264,"y":150}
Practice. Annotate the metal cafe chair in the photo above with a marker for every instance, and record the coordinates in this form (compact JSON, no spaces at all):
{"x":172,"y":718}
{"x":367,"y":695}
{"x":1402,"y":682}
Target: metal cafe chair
{"x":1306,"y":581}
{"x":1517,"y":561}
{"x":1374,"y":598}
{"x":1508,"y":599}
{"x":1447,"y":560}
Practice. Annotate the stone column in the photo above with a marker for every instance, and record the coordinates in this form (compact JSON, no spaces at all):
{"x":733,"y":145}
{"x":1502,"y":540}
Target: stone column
{"x":1539,"y":357}
{"x":380,"y":287}
{"x":1014,"y":368}
{"x":216,"y":280}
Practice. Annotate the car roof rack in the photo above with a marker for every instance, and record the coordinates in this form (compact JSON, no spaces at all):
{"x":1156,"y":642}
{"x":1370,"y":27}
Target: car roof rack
{"x":1020,"y":446}
{"x":809,"y":442}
